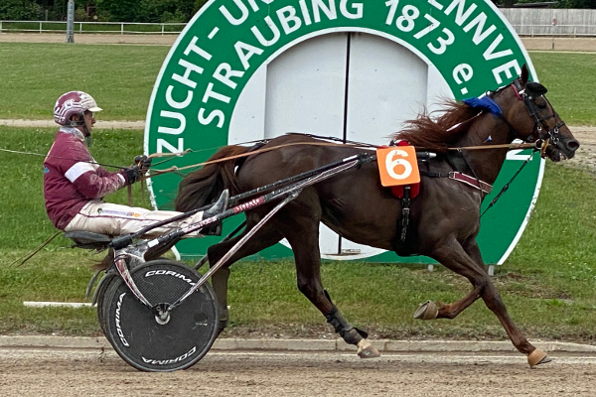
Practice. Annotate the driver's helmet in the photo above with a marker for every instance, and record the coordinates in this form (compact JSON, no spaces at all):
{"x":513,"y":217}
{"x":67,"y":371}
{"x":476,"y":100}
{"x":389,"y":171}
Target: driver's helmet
{"x":73,"y":102}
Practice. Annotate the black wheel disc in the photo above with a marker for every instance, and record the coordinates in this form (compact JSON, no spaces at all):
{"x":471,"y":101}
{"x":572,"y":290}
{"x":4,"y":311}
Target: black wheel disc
{"x":101,"y":289}
{"x":139,"y":338}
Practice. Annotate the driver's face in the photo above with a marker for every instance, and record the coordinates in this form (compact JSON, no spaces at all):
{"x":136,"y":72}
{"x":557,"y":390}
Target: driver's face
{"x":89,"y":120}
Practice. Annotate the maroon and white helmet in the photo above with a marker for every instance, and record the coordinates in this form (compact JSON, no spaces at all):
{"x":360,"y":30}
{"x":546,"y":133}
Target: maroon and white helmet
{"x":73,"y":102}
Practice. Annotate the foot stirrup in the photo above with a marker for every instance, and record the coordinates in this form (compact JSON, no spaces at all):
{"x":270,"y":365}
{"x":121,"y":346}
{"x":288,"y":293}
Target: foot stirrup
{"x":218,"y":207}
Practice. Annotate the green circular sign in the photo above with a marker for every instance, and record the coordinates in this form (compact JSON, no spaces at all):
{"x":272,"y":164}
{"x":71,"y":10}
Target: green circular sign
{"x":250,"y":69}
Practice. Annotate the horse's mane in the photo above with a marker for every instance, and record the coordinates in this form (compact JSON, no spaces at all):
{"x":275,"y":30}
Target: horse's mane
{"x":437,"y":134}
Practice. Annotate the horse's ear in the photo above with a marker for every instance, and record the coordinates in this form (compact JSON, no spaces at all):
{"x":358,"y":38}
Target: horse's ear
{"x":524,"y":75}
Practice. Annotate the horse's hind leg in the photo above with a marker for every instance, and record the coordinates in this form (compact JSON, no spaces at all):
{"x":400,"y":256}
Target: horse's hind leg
{"x":264,"y":238}
{"x":302,"y":233}
{"x":453,"y":256}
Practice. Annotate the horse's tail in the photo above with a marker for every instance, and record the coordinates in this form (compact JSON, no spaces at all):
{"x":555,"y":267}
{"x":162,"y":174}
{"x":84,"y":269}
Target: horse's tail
{"x":202,"y":187}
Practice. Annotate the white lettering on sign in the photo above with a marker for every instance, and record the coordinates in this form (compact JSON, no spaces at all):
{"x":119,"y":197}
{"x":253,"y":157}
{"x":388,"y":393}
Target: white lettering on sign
{"x":317,"y":10}
{"x":232,"y":19}
{"x":214,"y":114}
{"x":173,"y":115}
{"x":406,"y":22}
{"x":163,"y":144}
{"x":175,"y":104}
{"x":516,"y":154}
{"x":187,"y":79}
{"x":506,"y":68}
{"x":463,"y":73}
{"x":358,"y":8}
{"x":490,"y":51}
{"x":288,"y":19}
{"x":188,"y":69}
{"x":460,"y":15}
{"x":329,"y":11}
{"x":245,"y":52}
{"x":224,"y":72}
{"x":274,"y":31}
{"x":438,"y":25}
{"x":479,"y":35}
{"x":468,"y":42}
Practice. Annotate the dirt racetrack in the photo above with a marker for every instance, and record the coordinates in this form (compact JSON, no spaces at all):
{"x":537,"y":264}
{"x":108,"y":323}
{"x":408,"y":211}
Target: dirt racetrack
{"x":586,"y":154}
{"x":69,"y":373}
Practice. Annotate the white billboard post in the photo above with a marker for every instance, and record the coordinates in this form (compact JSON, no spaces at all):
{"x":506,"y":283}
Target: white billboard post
{"x":70,"y":22}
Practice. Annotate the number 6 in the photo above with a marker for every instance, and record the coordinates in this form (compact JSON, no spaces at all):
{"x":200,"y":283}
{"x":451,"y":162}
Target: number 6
{"x":391,"y":164}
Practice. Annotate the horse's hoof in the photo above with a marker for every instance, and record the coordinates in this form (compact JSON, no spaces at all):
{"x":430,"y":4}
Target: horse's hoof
{"x":426,"y":311}
{"x":538,"y":357}
{"x":366,"y":350}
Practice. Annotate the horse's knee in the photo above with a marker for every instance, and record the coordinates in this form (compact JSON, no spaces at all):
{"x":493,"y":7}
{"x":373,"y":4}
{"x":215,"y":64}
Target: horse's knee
{"x":483,"y":284}
{"x":308,"y":288}
{"x":491,"y":296}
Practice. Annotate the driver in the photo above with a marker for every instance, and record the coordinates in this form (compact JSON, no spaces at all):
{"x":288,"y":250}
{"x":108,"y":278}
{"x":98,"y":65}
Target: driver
{"x":74,"y":185}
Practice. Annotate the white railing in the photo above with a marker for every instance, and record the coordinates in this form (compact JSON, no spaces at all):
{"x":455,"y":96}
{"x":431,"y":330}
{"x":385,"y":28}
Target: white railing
{"x":552,"y":21}
{"x":175,"y":28}
{"x":558,"y":30}
{"x":92,"y":27}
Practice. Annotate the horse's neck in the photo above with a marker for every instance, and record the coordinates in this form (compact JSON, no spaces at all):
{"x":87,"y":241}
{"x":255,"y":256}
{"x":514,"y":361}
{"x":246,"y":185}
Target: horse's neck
{"x":488,"y":130}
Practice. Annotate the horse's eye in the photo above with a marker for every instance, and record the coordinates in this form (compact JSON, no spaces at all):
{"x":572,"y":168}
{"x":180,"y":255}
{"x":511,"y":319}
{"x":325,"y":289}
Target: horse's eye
{"x":540,"y":102}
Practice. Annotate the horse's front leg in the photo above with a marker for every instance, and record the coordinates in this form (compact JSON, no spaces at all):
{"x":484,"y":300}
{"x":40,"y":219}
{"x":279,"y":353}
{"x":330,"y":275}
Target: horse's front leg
{"x":430,"y":311}
{"x":452,"y":255}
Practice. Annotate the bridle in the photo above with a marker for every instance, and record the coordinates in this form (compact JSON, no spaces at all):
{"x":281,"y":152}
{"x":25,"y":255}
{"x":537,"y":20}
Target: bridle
{"x":542,"y":134}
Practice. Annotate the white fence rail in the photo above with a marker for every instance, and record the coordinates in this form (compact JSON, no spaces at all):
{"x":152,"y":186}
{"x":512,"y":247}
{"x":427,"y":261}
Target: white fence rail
{"x":558,"y":30}
{"x":551,"y":21}
{"x":525,"y":21}
{"x":92,"y":27}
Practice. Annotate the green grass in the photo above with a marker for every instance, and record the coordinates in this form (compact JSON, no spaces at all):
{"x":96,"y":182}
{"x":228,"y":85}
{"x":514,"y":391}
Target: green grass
{"x":547,"y":283}
{"x":571,"y":82}
{"x":120,"y":78}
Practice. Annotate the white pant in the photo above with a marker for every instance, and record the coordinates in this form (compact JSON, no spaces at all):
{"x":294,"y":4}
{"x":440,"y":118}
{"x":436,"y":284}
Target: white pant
{"x":115,"y":219}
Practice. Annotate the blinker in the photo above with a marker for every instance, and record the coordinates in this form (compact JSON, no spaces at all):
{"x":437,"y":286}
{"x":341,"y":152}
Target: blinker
{"x":536,"y":88}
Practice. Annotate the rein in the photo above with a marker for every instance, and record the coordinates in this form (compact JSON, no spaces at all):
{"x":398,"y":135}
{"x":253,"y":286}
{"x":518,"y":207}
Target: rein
{"x":56,"y":157}
{"x":175,"y":169}
{"x":506,"y":186}
{"x":353,"y":144}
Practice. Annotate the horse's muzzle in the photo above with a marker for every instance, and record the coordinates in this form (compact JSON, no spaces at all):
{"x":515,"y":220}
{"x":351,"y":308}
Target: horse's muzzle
{"x":564,"y":149}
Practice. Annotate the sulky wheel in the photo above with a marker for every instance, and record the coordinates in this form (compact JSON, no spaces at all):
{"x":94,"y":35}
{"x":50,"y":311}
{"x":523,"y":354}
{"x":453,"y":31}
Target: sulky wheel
{"x":99,"y":298}
{"x":146,"y":342}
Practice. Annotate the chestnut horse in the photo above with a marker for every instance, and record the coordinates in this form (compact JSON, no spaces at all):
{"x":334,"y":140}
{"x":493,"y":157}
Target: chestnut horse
{"x":444,"y":218}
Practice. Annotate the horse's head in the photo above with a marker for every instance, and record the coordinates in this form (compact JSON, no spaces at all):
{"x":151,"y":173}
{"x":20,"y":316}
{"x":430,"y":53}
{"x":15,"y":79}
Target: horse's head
{"x":531,"y":118}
